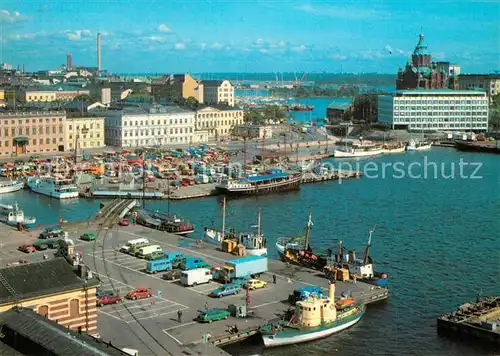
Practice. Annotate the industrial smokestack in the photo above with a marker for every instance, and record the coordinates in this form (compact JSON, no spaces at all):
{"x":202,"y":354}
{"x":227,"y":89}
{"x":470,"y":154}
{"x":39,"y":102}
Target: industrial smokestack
{"x":98,"y":53}
{"x":69,"y":62}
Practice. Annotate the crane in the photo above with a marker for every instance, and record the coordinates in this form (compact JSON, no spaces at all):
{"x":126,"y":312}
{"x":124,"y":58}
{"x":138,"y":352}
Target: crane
{"x":298,"y":82}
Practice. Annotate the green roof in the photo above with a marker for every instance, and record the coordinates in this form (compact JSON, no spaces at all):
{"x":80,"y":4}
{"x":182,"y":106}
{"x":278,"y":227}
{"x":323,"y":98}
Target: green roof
{"x":340,"y":104}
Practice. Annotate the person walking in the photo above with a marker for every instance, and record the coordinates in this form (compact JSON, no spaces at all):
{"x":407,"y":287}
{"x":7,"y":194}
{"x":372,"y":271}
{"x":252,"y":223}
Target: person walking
{"x":206,"y":305}
{"x":179,"y":316}
{"x":274,"y":279}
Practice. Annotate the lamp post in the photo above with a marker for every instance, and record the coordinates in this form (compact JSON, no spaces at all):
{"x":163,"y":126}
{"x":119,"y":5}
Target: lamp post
{"x":84,"y":131}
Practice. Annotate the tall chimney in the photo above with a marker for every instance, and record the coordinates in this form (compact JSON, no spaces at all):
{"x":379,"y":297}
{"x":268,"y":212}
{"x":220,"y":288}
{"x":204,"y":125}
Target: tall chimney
{"x":98,"y":53}
{"x":69,"y":62}
{"x":331,"y":291}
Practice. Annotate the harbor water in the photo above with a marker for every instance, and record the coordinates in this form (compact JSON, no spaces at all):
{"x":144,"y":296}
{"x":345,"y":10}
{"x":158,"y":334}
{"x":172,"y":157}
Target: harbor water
{"x":436,"y":237}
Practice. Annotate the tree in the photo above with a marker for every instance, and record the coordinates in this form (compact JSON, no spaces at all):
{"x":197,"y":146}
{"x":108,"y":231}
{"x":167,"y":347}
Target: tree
{"x":496,"y":100}
{"x":192,"y":103}
{"x":494,"y":119}
{"x":86,"y":98}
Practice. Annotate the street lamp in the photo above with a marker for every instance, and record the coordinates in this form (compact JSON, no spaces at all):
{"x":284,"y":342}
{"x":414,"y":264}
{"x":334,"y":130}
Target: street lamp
{"x":84,"y":131}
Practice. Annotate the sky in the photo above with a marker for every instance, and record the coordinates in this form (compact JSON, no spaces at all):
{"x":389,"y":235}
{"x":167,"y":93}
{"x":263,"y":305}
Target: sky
{"x":204,"y":36}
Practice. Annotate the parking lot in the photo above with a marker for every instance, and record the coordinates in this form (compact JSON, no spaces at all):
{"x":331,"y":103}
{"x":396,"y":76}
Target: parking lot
{"x":130,"y":311}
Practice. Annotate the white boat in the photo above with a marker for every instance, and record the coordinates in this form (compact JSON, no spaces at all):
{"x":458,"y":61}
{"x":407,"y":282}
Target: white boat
{"x":53,"y":187}
{"x":254,"y":242}
{"x":12,"y":215}
{"x":11,"y":186}
{"x":419,"y":146}
{"x":355,"y":151}
{"x":213,"y":235}
{"x":389,"y":150}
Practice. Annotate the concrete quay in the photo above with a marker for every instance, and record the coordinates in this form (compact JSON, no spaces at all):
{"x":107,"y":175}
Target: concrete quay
{"x":151,"y":326}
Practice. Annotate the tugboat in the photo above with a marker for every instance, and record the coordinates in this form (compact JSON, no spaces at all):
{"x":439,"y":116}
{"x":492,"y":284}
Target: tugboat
{"x":297,"y":250}
{"x":314,"y":318}
{"x":361,"y":269}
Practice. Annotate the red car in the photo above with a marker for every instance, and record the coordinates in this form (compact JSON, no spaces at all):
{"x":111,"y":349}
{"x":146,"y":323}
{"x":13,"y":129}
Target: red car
{"x":140,"y":293}
{"x":28,"y":248}
{"x":106,"y":299}
{"x":124,"y":222}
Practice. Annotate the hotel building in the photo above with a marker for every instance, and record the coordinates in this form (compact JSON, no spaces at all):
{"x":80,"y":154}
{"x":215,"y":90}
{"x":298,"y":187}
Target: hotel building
{"x":154,"y":126}
{"x":84,"y":132}
{"x":31,"y":132}
{"x":217,"y":122}
{"x":434,"y":110}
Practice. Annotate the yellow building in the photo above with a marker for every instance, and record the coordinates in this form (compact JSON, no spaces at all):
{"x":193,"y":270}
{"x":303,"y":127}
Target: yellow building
{"x":177,"y":86}
{"x":218,"y":92}
{"x":52,"y":289}
{"x":2,"y":94}
{"x":34,"y":95}
{"x":217,"y":121}
{"x":84,"y":132}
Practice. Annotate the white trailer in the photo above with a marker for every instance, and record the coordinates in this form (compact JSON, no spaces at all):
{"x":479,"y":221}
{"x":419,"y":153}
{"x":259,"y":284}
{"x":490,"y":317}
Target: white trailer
{"x":196,"y":276}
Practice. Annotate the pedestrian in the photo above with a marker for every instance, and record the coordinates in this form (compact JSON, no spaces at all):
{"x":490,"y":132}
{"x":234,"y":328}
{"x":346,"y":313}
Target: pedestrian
{"x":274,"y":279}
{"x":179,"y":316}
{"x":206,"y":305}
{"x":354,"y":278}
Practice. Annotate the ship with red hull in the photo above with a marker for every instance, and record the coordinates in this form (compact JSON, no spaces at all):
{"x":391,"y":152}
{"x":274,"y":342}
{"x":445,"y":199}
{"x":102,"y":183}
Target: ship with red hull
{"x":299,"y":107}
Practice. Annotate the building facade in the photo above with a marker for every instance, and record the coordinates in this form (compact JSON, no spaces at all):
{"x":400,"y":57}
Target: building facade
{"x":23,"y":133}
{"x":217,"y":122}
{"x":60,"y":295}
{"x":82,"y":133}
{"x":177,"y":86}
{"x":253,"y":131}
{"x":154,"y":126}
{"x":434,"y":110}
{"x":490,"y":83}
{"x":421,"y":72}
{"x":218,"y":92}
{"x":338,"y":110}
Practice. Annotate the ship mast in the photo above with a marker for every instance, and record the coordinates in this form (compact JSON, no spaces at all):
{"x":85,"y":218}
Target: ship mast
{"x":223,"y":232}
{"x":308,"y":231}
{"x":367,"y":249}
{"x":258,"y":225}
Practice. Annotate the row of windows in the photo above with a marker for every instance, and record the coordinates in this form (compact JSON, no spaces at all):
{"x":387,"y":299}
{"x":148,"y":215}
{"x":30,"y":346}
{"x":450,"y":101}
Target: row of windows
{"x":219,"y":123}
{"x":33,"y":130}
{"x":142,"y":123}
{"x":452,"y":119}
{"x":40,"y":142}
{"x":42,"y":97}
{"x":447,"y":108}
{"x":85,"y":136}
{"x":181,"y":139}
{"x":218,"y":115}
{"x":182,"y":130}
{"x":435,"y":101}
{"x":85,"y":144}
{"x":467,"y":125}
{"x":91,"y":126}
{"x":27,"y":121}
{"x":424,"y":113}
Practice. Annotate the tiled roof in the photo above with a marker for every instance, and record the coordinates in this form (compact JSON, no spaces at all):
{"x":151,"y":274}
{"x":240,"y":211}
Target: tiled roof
{"x":35,"y":279}
{"x":53,"y":338}
{"x":214,"y":83}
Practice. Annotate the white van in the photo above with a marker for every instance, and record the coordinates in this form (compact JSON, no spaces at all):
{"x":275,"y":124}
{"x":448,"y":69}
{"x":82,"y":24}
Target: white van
{"x":196,"y":276}
{"x":147,"y":250}
{"x":129,"y":244}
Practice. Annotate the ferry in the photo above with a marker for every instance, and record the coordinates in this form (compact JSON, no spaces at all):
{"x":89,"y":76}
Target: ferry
{"x":53,"y":187}
{"x":313,"y":318}
{"x":272,"y":181}
{"x":418,"y":146}
{"x":356,"y":151}
{"x":11,"y":186}
{"x":12,"y":215}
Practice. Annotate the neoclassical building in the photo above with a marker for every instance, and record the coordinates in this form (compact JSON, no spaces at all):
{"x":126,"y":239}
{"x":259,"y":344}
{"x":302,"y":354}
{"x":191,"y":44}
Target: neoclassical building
{"x":217,"y":121}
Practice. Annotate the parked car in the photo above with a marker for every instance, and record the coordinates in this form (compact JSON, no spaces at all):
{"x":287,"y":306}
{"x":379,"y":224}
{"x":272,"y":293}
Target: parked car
{"x":88,"y":236}
{"x":255,"y":284}
{"x":40,"y":246}
{"x":28,"y":248}
{"x":100,"y":292}
{"x":207,"y":316}
{"x":140,"y":293}
{"x":228,"y":289}
{"x":156,"y":255}
{"x":124,"y":222}
{"x":51,"y":232}
{"x":106,"y":299}
{"x":172,"y":275}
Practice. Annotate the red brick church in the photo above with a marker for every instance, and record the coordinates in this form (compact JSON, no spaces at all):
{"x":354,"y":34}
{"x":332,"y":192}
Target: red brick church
{"x":421,"y":72}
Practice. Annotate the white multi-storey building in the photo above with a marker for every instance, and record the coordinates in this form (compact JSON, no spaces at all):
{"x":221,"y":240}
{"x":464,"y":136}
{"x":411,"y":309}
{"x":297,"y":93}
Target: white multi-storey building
{"x":434,"y":110}
{"x":156,"y":125}
{"x":218,"y":92}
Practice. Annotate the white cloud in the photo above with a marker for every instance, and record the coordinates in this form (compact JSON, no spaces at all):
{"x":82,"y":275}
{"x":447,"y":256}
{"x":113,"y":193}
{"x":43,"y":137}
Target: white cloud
{"x":300,"y":48}
{"x":263,"y":50}
{"x":180,"y":46}
{"x":439,"y":55}
{"x":338,"y":57}
{"x":164,"y":28}
{"x":282,"y":44}
{"x":259,"y":41}
{"x":373,"y":54}
{"x":22,"y":36}
{"x":216,"y":45}
{"x":156,"y":38}
{"x":342,"y":12}
{"x":203,"y":45}
{"x":389,"y":48}
{"x":78,"y":35}
{"x":11,"y":16}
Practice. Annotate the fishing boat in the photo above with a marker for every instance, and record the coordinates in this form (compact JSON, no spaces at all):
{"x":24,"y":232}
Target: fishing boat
{"x":254,"y":242}
{"x":478,"y":146}
{"x":355,"y":151}
{"x":313,"y":318}
{"x":212,"y":235}
{"x":393,"y":148}
{"x":297,"y":250}
{"x":418,"y":145}
{"x":12,"y":215}
{"x":275,"y":180}
{"x":53,"y":187}
{"x":361,"y":269}
{"x":11,"y":186}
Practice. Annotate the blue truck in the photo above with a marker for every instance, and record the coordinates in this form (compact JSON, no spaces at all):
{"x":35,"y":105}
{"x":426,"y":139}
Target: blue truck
{"x":189,"y":263}
{"x":163,"y":264}
{"x":241,"y":269}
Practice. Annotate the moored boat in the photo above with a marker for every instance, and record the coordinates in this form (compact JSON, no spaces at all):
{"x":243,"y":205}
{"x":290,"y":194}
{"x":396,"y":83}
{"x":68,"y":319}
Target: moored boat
{"x":254,"y":242}
{"x":12,"y":215}
{"x":11,"y":186}
{"x":53,"y":187}
{"x":314,"y":318}
{"x":478,"y":146}
{"x":356,"y":151}
{"x":418,"y":146}
{"x":396,"y":148}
